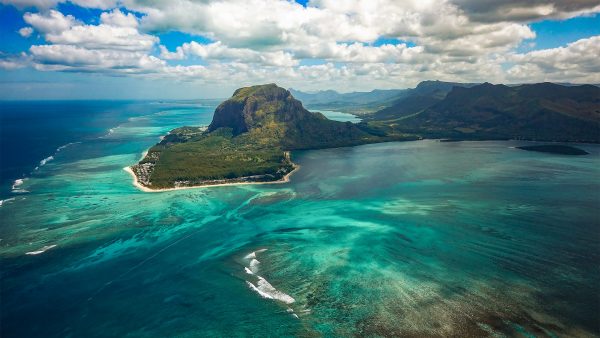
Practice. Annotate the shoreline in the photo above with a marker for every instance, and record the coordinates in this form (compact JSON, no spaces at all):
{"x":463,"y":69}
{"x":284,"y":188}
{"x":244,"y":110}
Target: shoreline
{"x":137,"y":184}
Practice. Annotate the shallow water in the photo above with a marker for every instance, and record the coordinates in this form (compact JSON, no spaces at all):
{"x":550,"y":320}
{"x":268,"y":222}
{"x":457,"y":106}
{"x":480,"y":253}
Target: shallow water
{"x":395,"y":239}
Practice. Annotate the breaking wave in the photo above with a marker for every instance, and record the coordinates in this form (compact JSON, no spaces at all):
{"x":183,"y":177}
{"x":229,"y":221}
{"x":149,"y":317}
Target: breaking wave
{"x":261,"y":285}
{"x":6,"y":200}
{"x":17,"y":184}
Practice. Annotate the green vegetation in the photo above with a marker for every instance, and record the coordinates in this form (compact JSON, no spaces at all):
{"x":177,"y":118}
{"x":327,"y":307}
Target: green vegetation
{"x":543,"y":112}
{"x":196,"y":159}
{"x":247,"y":141}
{"x":251,"y":133}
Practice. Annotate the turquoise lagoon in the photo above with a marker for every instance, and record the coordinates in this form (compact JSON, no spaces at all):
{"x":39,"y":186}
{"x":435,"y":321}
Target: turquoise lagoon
{"x":397,"y":239}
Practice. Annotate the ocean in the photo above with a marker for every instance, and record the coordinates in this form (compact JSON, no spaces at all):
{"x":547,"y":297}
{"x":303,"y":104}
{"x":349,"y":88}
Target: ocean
{"x":420,"y":238}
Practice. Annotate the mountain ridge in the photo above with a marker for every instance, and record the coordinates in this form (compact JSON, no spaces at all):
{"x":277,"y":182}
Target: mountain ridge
{"x":543,"y":111}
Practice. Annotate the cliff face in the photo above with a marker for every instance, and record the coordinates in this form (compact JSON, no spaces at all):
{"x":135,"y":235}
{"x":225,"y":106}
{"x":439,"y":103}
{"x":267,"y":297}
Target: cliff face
{"x":255,"y":107}
{"x":270,"y":114}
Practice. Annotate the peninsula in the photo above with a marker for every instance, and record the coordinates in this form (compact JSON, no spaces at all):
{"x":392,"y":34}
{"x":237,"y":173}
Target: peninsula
{"x":248,"y":141}
{"x":252,"y":133}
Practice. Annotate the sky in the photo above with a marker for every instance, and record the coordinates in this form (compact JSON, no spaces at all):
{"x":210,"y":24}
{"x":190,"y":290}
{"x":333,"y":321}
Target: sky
{"x":191,"y":49}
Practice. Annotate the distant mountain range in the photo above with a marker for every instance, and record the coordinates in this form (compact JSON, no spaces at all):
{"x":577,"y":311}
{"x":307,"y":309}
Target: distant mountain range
{"x":356,"y":102}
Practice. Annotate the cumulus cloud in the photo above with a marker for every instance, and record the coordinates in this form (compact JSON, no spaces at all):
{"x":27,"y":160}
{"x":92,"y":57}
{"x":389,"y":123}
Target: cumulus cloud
{"x":50,"y":22}
{"x":521,"y":11}
{"x":324,"y":44}
{"x":10,"y":62}
{"x":218,"y":51}
{"x":115,"y":46}
{"x":578,"y":62}
{"x":26,"y":32}
{"x":104,"y":36}
{"x":117,"y":18}
{"x":73,"y":58}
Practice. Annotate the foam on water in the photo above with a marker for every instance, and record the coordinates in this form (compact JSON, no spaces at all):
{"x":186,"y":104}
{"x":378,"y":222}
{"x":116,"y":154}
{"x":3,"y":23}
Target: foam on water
{"x":66,"y":146}
{"x":262,"y":286}
{"x":266,"y":290}
{"x":6,"y":200}
{"x":41,"y":251}
{"x":254,"y":265}
{"x":15,"y":187}
{"x":46,"y":160}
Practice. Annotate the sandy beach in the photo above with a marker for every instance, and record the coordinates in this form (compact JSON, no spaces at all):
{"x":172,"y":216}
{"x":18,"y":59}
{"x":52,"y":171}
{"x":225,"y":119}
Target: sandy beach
{"x":143,"y":188}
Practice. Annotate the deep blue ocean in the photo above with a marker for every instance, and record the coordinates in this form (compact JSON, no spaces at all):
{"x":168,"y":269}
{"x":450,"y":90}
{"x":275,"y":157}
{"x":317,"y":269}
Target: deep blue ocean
{"x":424,"y":238}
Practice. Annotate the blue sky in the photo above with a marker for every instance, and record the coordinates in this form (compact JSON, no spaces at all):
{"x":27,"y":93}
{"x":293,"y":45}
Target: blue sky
{"x":121,"y":49}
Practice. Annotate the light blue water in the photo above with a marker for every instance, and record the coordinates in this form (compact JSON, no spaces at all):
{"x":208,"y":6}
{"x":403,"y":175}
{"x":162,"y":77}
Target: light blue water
{"x":339,"y":116}
{"x":395,"y":239}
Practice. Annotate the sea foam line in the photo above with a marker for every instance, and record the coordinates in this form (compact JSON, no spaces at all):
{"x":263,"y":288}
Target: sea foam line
{"x":18,"y":182}
{"x":6,"y":200}
{"x":266,"y":290}
{"x":262,"y":286}
{"x":42,"y":250}
{"x":46,"y":160}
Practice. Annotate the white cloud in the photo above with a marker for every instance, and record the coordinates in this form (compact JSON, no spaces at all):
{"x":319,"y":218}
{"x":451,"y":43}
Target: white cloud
{"x":104,"y":37}
{"x":115,"y":46}
{"x":280,"y":40}
{"x":576,"y":62}
{"x":52,"y":21}
{"x":117,"y":18}
{"x":218,"y":51}
{"x":26,"y":32}
{"x":73,"y":58}
{"x":10,"y":62}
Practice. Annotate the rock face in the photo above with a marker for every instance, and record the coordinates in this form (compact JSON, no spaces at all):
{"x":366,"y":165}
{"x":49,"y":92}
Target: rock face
{"x":253,"y":107}
{"x":268,"y":113}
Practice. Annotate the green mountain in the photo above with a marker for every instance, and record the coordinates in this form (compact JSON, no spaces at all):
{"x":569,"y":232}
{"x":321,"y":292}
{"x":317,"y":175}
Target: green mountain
{"x":412,"y":101}
{"x":251,"y":133}
{"x":270,"y":114}
{"x":248,"y":140}
{"x":543,"y":111}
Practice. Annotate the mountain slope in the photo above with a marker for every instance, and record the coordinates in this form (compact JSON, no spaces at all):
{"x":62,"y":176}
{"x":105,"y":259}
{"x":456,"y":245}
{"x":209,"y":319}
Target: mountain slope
{"x":542,"y":111}
{"x":412,"y":101}
{"x":271,"y":114}
{"x":247,"y":141}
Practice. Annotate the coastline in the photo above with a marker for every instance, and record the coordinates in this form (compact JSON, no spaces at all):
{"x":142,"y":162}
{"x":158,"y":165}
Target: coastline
{"x":137,"y":184}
